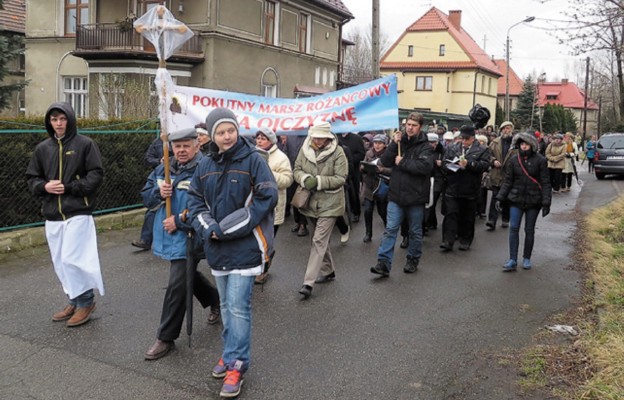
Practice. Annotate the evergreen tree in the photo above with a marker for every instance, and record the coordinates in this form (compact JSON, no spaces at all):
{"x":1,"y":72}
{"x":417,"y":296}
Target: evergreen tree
{"x":526,"y":106}
{"x":500,"y":115}
{"x":550,"y":122}
{"x":569,"y":121}
{"x":11,"y":47}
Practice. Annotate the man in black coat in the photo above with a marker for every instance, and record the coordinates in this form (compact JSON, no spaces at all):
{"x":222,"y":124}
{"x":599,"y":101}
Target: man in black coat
{"x":411,"y":157}
{"x":463,"y":164}
{"x":355,"y":143}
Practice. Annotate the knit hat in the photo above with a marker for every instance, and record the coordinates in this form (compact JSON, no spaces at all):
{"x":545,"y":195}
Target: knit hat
{"x":467,"y":130}
{"x":448,"y":135}
{"x":504,"y":124}
{"x":369,"y":137}
{"x":183,"y":134}
{"x":432,"y":137}
{"x":216,"y":117}
{"x":321,"y":130}
{"x":201,"y":129}
{"x":380,"y":138}
{"x":268,"y":133}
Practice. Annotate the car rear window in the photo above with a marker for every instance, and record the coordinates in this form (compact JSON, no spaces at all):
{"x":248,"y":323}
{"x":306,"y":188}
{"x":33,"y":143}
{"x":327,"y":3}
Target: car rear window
{"x":611,"y":142}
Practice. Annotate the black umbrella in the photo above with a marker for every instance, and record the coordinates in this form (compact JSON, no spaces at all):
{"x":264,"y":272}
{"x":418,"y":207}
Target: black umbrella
{"x":191,"y":265}
{"x":580,"y":182}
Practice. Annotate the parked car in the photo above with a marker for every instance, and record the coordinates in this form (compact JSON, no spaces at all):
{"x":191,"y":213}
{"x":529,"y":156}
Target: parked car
{"x":609,"y":156}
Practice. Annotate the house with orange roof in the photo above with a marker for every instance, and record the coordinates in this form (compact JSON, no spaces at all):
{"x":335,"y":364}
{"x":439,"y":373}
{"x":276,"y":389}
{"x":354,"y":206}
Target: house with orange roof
{"x":439,"y":67}
{"x":571,"y":97}
{"x":12,"y":22}
{"x":515,"y":85}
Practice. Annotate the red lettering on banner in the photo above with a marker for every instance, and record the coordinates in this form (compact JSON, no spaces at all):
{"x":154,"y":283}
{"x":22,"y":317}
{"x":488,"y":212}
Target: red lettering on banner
{"x":244,"y":122}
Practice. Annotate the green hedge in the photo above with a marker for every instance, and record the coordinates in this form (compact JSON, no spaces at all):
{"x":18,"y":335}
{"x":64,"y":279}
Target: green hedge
{"x":122,"y":144}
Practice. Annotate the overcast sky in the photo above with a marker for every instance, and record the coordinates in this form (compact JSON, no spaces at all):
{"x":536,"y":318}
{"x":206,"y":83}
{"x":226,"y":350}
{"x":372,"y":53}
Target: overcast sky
{"x":534,"y":49}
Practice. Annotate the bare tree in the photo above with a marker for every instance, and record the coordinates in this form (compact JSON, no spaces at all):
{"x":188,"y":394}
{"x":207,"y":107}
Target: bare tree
{"x":359,"y":57}
{"x":123,"y":96}
{"x":597,"y":27}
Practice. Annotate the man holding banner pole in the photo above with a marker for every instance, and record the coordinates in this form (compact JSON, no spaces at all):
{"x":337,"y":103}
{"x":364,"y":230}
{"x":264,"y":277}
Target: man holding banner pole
{"x":411,"y":157}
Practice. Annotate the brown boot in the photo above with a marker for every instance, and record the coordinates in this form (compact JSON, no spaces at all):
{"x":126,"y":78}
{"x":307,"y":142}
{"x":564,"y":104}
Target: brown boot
{"x":65,"y":314}
{"x":159,"y":349}
{"x":81,"y":316}
{"x":215,"y":315}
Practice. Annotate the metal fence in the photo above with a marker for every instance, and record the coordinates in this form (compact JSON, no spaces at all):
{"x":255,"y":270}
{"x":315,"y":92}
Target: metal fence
{"x":125,"y":172}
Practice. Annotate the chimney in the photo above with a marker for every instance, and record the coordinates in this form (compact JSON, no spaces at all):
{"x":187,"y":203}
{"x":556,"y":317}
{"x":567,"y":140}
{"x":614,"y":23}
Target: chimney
{"x":455,"y":18}
{"x":564,"y":81}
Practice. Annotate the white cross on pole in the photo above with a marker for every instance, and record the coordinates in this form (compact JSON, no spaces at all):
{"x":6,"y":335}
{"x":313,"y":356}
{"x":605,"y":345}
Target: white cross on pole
{"x":167,"y":34}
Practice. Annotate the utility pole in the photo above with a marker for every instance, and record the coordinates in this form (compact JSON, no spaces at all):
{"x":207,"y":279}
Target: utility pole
{"x":585,"y":102}
{"x":599,"y":127}
{"x":375,"y":39}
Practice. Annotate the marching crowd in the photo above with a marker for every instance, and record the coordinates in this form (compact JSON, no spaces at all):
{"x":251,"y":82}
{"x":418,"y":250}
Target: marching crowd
{"x":223,"y":197}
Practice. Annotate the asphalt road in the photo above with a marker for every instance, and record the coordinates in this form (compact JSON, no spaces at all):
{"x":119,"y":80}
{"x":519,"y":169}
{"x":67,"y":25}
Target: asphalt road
{"x":436,"y":334}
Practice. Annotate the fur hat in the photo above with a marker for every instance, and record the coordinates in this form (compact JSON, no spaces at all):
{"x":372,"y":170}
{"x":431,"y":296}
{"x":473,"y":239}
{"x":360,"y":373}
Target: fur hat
{"x":448,"y":135}
{"x":504,"y":124}
{"x":526,"y":137}
{"x":432,"y":137}
{"x":467,"y":130}
{"x":268,"y":133}
{"x":482,"y":139}
{"x":216,"y":117}
{"x":183,"y":134}
{"x":321,"y":130}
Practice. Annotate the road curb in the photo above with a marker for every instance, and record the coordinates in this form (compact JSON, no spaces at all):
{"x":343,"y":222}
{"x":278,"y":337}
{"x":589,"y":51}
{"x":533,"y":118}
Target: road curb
{"x":21,"y":239}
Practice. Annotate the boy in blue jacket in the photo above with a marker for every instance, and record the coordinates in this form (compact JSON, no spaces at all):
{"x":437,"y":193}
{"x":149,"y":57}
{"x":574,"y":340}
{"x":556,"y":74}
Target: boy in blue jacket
{"x":231,"y":201}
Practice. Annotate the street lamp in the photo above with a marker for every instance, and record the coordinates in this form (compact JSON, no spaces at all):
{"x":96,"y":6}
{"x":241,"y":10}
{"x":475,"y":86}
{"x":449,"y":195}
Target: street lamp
{"x":507,"y":105}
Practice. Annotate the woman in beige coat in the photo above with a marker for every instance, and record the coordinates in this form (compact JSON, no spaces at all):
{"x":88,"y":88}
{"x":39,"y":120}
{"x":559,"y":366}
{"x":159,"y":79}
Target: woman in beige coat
{"x":322,"y":168}
{"x":266,"y":140}
{"x":571,"y":151}
{"x":555,"y":154}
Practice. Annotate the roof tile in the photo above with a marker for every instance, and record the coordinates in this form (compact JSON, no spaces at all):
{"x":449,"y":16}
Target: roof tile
{"x":515,"y":83}
{"x":568,"y":95}
{"x":436,"y":20}
{"x":13,"y":17}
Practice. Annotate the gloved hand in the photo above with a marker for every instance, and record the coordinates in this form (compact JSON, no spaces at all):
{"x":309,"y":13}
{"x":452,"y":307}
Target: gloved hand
{"x":310,"y":182}
{"x":498,"y":206}
{"x":545,"y":211}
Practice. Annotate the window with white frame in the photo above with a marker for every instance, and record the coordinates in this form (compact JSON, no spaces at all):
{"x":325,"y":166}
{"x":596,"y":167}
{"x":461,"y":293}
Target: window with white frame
{"x":410,"y":51}
{"x":442,"y":50}
{"x":76,"y":93}
{"x":76,"y":13}
{"x":424,"y":83}
{"x":269,"y":90}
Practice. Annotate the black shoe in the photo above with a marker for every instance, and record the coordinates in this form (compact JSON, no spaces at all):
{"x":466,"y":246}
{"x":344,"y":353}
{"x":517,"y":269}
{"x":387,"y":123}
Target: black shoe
{"x":381,"y":269}
{"x":446,"y":246}
{"x":295,"y":228}
{"x":404,"y":242}
{"x":464,"y":246}
{"x":411,"y":265}
{"x":141,"y":244}
{"x":305,"y":291}
{"x":326,"y":278}
{"x":355,"y":218}
{"x":303,"y":231}
{"x":491,"y":225}
{"x":367,"y":238}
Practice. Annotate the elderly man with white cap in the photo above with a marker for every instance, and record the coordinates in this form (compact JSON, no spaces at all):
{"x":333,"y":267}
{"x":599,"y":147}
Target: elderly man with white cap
{"x":170,"y":237}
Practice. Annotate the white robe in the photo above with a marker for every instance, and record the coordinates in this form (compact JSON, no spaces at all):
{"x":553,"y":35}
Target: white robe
{"x":73,"y":247}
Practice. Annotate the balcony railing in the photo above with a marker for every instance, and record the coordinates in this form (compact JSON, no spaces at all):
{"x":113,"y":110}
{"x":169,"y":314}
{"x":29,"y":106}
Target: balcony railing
{"x":115,"y":37}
